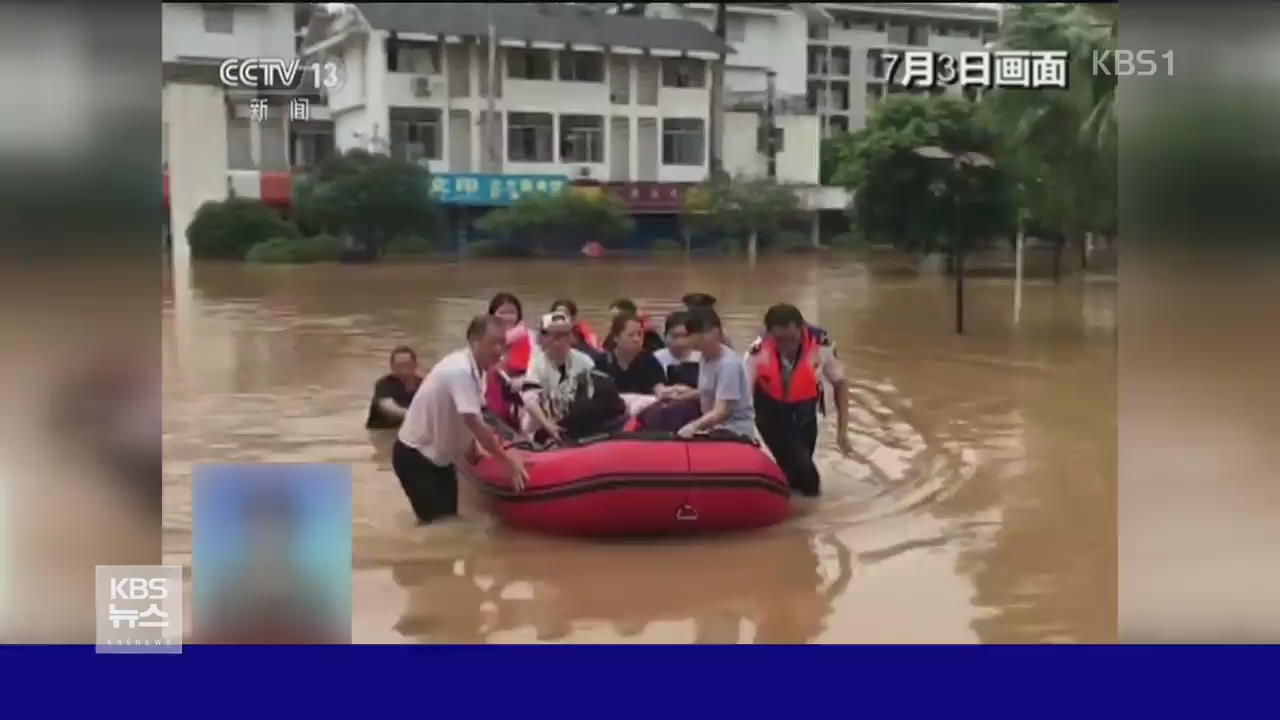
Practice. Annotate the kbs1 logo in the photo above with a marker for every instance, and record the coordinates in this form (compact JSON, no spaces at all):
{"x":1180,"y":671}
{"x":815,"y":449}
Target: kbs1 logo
{"x":139,"y":608}
{"x":279,"y":75}
{"x":1132,"y":63}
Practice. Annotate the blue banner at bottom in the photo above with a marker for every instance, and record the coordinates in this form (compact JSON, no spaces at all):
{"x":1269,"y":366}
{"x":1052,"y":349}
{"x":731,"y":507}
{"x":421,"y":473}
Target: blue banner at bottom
{"x":658,"y":681}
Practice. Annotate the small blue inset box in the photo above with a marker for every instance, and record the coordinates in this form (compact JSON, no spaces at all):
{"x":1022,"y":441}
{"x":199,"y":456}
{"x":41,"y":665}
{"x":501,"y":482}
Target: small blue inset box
{"x":271,"y":554}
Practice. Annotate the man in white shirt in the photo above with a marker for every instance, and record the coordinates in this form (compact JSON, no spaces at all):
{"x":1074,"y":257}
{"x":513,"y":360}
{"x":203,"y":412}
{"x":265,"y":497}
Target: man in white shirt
{"x":443,"y":424}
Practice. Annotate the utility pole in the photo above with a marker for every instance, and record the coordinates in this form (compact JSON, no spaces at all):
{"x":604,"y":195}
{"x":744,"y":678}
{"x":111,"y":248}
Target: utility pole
{"x":715,"y":126}
{"x":491,"y":120}
{"x":770,"y":126}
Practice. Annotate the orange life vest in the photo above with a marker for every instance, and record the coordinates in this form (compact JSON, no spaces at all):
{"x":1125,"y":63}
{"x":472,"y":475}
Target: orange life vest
{"x":588,"y":336}
{"x":519,"y":350}
{"x":803,"y":385}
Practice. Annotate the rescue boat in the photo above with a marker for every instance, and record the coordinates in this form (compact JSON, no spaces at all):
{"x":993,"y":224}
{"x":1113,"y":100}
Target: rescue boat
{"x":640,"y":484}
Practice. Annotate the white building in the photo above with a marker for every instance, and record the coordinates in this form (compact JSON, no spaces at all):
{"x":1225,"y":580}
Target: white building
{"x":259,"y":153}
{"x":577,"y":93}
{"x":844,"y":59}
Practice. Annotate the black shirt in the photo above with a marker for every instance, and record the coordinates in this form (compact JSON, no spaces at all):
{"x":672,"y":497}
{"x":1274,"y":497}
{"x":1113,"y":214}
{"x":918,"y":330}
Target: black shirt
{"x":392,"y":387}
{"x":639,"y":378}
{"x":653,"y":342}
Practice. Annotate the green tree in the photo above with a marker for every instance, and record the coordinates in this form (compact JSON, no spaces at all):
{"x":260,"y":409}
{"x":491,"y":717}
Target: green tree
{"x":921,"y":204}
{"x":557,"y":222}
{"x":740,"y":207}
{"x":1061,"y":144}
{"x":369,"y":198}
{"x":227,"y":229}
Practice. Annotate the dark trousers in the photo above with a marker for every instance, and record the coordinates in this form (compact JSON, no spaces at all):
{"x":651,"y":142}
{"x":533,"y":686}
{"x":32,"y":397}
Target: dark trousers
{"x":432,"y":490}
{"x":792,"y":435}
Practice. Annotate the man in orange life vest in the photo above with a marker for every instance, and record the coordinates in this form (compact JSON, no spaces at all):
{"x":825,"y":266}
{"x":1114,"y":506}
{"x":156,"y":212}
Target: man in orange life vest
{"x":785,"y":367}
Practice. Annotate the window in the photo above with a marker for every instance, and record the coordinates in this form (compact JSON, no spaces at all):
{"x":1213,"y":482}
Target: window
{"x":864,"y":21}
{"x":683,"y":73}
{"x":818,"y":61}
{"x":817,"y":31}
{"x":735,"y":29}
{"x":917,"y":34}
{"x":312,"y":145}
{"x":416,"y":134}
{"x":581,"y":139}
{"x":682,"y":141}
{"x":240,"y":138}
{"x":875,"y":64}
{"x":880,"y":26}
{"x":410,"y":57}
{"x":581,"y":66}
{"x":941,"y":29}
{"x":218,"y":18}
{"x":273,"y":144}
{"x":526,"y":64}
{"x":974,"y":30}
{"x":529,"y":137}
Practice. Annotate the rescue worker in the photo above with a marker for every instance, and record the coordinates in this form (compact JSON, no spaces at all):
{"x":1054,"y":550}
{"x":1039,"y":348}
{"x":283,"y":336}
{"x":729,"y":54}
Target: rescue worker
{"x":786,"y":367}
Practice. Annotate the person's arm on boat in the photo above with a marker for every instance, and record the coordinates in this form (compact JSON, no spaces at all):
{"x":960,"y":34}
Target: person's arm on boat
{"x":489,"y":442}
{"x":714,"y":417}
{"x":534,"y":408}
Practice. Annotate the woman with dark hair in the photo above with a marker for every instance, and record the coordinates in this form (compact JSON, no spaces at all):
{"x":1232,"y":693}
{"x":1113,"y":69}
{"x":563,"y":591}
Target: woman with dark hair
{"x":585,"y":339}
{"x":507,"y":308}
{"x":624,"y":306}
{"x":633,"y":369}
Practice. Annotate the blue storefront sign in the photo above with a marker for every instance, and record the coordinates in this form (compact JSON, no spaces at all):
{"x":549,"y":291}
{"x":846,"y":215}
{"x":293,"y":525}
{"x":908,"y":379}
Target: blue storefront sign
{"x":485,"y":189}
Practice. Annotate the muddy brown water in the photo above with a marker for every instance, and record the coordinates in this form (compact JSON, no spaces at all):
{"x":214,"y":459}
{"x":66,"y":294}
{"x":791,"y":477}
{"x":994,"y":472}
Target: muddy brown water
{"x":979,"y":505}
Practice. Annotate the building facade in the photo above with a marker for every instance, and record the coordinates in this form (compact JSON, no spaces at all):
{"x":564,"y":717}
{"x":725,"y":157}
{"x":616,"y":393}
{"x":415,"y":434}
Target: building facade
{"x":575,"y":93}
{"x":845,"y":60}
{"x":261,"y":152}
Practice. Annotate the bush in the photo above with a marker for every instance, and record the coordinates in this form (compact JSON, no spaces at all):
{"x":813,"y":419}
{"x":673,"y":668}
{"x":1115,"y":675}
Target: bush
{"x":851,"y":240}
{"x":371,"y":198}
{"x":789,"y":240}
{"x":666,"y":245}
{"x":226,"y":230}
{"x":484,"y":248}
{"x":320,"y":248}
{"x":560,"y":222}
{"x":412,"y":245}
{"x":727,"y":246}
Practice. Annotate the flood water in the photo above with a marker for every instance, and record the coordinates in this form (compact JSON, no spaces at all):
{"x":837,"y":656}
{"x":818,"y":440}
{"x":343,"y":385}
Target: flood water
{"x":979,"y":505}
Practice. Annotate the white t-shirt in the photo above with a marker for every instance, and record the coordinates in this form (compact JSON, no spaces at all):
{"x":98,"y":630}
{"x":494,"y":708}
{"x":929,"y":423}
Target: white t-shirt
{"x":554,"y":391}
{"x":433,"y":423}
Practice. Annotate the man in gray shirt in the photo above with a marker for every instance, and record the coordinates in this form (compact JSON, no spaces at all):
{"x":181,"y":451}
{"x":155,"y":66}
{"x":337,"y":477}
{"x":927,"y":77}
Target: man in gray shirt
{"x":723,"y":387}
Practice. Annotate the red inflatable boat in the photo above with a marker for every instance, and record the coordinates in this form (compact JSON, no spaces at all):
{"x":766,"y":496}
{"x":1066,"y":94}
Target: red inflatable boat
{"x":641,"y":484}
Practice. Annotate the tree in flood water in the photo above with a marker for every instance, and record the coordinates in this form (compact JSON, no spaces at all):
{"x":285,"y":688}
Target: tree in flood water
{"x":917,"y":203}
{"x":369,"y":199}
{"x":560,"y":222}
{"x":1060,"y":144}
{"x":739,"y":208}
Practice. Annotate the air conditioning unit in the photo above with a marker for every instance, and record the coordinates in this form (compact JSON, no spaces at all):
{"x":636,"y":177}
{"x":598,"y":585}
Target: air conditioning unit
{"x":421,"y":85}
{"x":618,"y":98}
